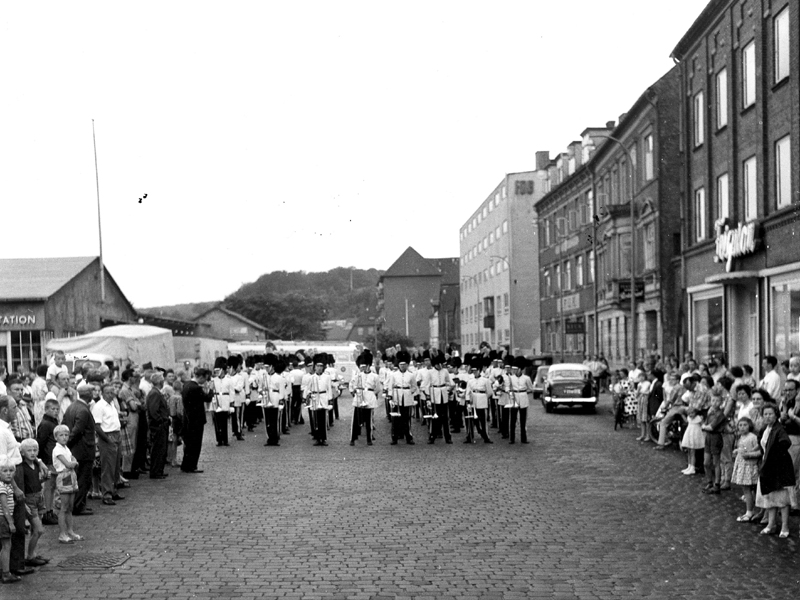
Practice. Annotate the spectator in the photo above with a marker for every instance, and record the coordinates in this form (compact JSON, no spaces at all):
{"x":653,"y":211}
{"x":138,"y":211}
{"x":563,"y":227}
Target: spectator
{"x":65,"y":464}
{"x":749,"y":378}
{"x":107,"y":427}
{"x":712,"y":426}
{"x":772,"y":380}
{"x":776,"y":476}
{"x":29,"y":471}
{"x":8,"y":528}
{"x":62,"y":391}
{"x":129,"y":403}
{"x":790,"y":419}
{"x":22,"y":426}
{"x":47,"y":441}
{"x":57,"y":367}
{"x":38,"y":393}
{"x":81,"y":443}
{"x":158,"y":424}
{"x":745,"y":471}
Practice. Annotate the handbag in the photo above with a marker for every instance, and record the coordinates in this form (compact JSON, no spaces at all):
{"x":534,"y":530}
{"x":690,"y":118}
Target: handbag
{"x":67,"y":481}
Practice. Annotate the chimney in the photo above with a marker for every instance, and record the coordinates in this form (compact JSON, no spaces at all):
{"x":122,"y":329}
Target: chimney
{"x":609,"y":125}
{"x":622,"y":117}
{"x":542,"y":160}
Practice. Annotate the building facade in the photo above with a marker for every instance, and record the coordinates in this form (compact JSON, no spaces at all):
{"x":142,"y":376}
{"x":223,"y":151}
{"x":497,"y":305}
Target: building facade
{"x":223,"y":324}
{"x":499,"y":264}
{"x":408,"y":290}
{"x":740,"y":125}
{"x":46,"y":298}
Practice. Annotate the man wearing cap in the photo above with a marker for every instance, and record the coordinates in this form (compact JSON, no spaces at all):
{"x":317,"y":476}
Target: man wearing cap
{"x":195,"y":394}
{"x":364,"y":387}
{"x":403,"y":388}
{"x":438,"y":394}
{"x":318,"y":395}
{"x":272,"y":399}
{"x":335,"y":390}
{"x":296,"y":377}
{"x":479,"y":392}
{"x":521,"y":394}
{"x":385,"y":374}
{"x":455,"y":406}
{"x":239,"y":389}
{"x":221,"y":403}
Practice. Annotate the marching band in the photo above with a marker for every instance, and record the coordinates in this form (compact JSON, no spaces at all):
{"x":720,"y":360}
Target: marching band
{"x":444,"y":396}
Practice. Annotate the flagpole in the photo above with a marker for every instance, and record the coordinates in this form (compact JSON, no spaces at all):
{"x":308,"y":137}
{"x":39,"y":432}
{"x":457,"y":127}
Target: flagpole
{"x":99,"y":226}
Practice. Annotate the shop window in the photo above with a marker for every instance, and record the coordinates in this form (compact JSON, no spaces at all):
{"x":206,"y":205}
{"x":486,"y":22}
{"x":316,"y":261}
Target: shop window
{"x":783,"y":171}
{"x":722,"y":98}
{"x":781,"y":48}
{"x":26,"y":349}
{"x":707,"y":327}
{"x":749,"y":75}
{"x":786,"y":317}
{"x":750,"y":190}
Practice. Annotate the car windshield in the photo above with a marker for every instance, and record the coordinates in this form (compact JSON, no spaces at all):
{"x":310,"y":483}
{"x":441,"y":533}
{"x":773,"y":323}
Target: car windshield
{"x":565,"y":374}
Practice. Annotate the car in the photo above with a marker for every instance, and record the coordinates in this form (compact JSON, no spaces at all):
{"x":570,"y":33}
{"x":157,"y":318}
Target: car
{"x":569,"y":384}
{"x":539,"y":379}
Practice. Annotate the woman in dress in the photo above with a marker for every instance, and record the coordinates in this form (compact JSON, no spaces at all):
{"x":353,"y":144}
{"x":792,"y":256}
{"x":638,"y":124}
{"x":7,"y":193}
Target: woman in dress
{"x":776,"y":475}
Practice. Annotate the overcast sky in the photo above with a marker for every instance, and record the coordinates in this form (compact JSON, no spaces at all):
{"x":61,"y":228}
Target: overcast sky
{"x":294,"y":135}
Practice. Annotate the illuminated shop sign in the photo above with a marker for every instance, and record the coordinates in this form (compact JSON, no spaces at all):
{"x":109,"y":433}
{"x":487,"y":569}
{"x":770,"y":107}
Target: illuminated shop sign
{"x":731,"y":243}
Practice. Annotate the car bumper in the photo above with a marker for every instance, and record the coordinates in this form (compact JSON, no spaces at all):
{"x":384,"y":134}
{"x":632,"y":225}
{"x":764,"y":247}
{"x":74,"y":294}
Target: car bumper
{"x":570,"y":400}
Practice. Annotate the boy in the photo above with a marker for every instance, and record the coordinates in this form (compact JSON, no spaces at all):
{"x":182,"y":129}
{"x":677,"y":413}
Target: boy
{"x":7,"y":471}
{"x":32,"y":469}
{"x":47,"y":441}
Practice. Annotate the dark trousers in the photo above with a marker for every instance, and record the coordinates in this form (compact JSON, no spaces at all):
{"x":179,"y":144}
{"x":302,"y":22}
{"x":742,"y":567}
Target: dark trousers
{"x":361,"y":416}
{"x":493,"y":417}
{"x":251,"y":415}
{"x":512,"y":426}
{"x":139,"y":462}
{"x":271,"y":414}
{"x":83,"y":473}
{"x":440,"y":425}
{"x":17,"y":561}
{"x":481,"y":422}
{"x":284,"y":418}
{"x":236,"y":420}
{"x":297,"y":404}
{"x":192,"y":435}
{"x":456,"y":416}
{"x":158,"y":450}
{"x":401,"y":426}
{"x":502,"y":419}
{"x":335,"y":412}
{"x":320,"y":424}
{"x":109,"y":463}
{"x":221,"y":426}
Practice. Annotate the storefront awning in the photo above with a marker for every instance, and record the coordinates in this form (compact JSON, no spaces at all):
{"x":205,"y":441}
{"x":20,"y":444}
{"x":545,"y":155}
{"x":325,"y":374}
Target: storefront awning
{"x":734,"y":277}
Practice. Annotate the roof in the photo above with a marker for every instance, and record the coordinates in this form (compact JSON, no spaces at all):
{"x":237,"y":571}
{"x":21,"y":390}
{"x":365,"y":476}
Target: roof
{"x":449,"y":269}
{"x":712,"y":11}
{"x":181,"y":312}
{"x":411,"y":264}
{"x":235,"y":315}
{"x":38,"y":278}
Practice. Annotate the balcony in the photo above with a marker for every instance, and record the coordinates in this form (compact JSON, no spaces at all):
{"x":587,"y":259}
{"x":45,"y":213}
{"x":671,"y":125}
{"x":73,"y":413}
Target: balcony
{"x":488,"y":322}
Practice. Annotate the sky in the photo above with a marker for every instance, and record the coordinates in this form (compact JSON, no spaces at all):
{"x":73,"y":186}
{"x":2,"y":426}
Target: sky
{"x":294,"y":135}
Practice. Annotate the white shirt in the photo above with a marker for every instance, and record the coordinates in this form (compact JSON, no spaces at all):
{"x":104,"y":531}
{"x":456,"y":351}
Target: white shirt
{"x":772,"y":383}
{"x":106,"y":416}
{"x":9,"y":446}
{"x":53,"y":371}
{"x":60,"y":450}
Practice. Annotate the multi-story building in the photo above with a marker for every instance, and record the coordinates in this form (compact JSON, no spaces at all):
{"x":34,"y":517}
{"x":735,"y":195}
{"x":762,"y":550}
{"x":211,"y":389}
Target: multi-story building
{"x":636,"y":175}
{"x":499,"y":265}
{"x":740,"y":124}
{"x":408,"y":290}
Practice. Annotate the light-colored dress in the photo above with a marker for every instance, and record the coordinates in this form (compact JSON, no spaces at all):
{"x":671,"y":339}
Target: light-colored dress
{"x":694,"y":438}
{"x":745,"y":470}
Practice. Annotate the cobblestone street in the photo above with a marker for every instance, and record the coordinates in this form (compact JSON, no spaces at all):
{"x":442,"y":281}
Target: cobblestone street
{"x":581,"y":512}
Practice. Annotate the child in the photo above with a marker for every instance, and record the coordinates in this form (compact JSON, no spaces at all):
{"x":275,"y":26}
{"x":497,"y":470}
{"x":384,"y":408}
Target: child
{"x":693,"y":439}
{"x":33,"y":471}
{"x":745,"y":469}
{"x":7,"y":471}
{"x":65,"y":464}
{"x":713,"y":426}
{"x":642,"y":393}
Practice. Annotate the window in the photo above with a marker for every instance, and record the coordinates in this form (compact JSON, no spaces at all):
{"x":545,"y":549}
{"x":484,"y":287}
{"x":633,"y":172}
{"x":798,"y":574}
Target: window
{"x":504,"y":191}
{"x":491,"y":270}
{"x":546,"y":227}
{"x":722,"y":98}
{"x":497,"y":199}
{"x":505,"y":226}
{"x":781,"y":41}
{"x":749,"y":75}
{"x":505,"y":303}
{"x":707,"y":324}
{"x":783,"y":171}
{"x":700,"y":214}
{"x":491,"y":237}
{"x":568,"y":275}
{"x":786,"y":315}
{"x":485,"y":243}
{"x":650,"y":246}
{"x":547,"y":283}
{"x":485,"y":211}
{"x":591,"y":266}
{"x":557,"y":278}
{"x":699,"y":131}
{"x":579,"y":271}
{"x":750,"y":190}
{"x":723,"y":207}
{"x":505,"y":265}
{"x":497,"y":233}
{"x":648,"y":158}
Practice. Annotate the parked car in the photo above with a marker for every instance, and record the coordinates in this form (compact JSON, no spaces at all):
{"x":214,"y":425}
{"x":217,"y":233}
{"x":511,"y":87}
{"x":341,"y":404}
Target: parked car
{"x":569,"y":384}
{"x":538,"y":381}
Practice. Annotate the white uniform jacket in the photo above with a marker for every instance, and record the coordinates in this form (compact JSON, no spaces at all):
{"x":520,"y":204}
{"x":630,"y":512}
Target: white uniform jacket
{"x":479,"y":390}
{"x":274,"y":390}
{"x":522,"y":390}
{"x":365,"y":388}
{"x":439,"y":386}
{"x":222,"y":394}
{"x":318,"y":391}
{"x":403,"y":387}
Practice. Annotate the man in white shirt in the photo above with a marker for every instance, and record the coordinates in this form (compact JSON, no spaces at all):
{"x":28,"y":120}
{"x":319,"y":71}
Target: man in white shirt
{"x":107,"y":427}
{"x":771,"y":381}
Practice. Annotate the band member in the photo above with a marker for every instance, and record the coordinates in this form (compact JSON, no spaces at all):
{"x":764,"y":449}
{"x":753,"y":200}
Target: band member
{"x":238,"y":389}
{"x":521,"y":397}
{"x":335,"y":389}
{"x":439,"y":387}
{"x":253,"y":401}
{"x":403,"y":388}
{"x":308,"y":368}
{"x":423,"y":380}
{"x":501,"y":385}
{"x":479,"y":391}
{"x":494,"y":371}
{"x":221,"y":404}
{"x":286,"y":394}
{"x":297,"y":373}
{"x":364,"y":387}
{"x":318,"y":396}
{"x":456,"y":405}
{"x":385,"y":374}
{"x":272,"y":397}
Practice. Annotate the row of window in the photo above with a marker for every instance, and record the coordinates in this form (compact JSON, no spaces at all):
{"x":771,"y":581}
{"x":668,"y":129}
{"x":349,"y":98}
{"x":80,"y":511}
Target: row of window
{"x":560,"y":277}
{"x":574,"y":343}
{"x":780,"y":48}
{"x":484,"y":212}
{"x":484,"y":244}
{"x":502,"y":336}
{"x":750,"y":200}
{"x":475,"y":312}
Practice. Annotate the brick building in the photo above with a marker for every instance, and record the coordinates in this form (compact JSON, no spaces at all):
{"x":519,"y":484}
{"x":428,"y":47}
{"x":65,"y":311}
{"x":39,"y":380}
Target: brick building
{"x":740,"y":123}
{"x":408,"y":290}
{"x":499,"y":265}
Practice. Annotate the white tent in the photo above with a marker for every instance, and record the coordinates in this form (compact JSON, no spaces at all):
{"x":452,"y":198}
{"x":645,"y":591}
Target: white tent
{"x":125,"y":343}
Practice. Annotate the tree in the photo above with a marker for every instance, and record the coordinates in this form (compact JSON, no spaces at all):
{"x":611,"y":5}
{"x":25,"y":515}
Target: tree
{"x":387,"y":338}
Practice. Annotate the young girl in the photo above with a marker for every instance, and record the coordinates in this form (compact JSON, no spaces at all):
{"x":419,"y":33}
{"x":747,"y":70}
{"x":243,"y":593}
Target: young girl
{"x":7,"y":528}
{"x":65,"y":464}
{"x":642,"y":394}
{"x":693,"y":439}
{"x":745,"y":469}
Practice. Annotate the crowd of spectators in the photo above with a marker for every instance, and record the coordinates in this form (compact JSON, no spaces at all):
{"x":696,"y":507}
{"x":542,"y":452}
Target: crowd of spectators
{"x":747,"y":429}
{"x":68,"y":438}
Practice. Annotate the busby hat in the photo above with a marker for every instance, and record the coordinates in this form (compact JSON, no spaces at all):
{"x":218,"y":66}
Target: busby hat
{"x":508,"y":360}
{"x":270,"y":359}
{"x":402,"y":357}
{"x":221,"y":362}
{"x":520,"y":362}
{"x":280,"y":365}
{"x":234,"y":361}
{"x":426,"y":354}
{"x":320,"y":358}
{"x":455,"y":362}
{"x":437,"y":359}
{"x":475,"y":363}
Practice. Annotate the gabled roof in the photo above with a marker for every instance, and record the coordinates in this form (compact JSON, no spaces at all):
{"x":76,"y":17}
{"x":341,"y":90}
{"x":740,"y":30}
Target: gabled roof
{"x":411,"y":264}
{"x":235,"y":315}
{"x":38,"y":278}
{"x":448,"y":268}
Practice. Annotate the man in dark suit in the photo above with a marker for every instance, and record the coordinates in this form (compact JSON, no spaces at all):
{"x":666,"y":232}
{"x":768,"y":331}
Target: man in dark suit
{"x":194,"y":397}
{"x":78,"y":417}
{"x":158,"y":424}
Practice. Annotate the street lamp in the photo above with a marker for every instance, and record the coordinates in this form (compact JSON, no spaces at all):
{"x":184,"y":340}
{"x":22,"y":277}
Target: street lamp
{"x":510,"y":313}
{"x":633,"y":243}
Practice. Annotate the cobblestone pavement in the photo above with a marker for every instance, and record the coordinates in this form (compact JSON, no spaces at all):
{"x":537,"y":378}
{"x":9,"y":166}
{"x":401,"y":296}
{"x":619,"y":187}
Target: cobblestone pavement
{"x":581,"y":512}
